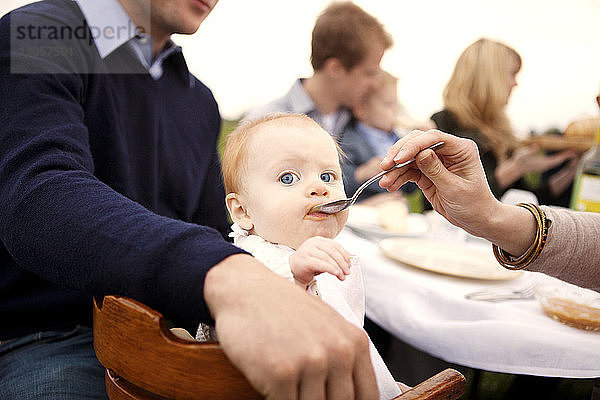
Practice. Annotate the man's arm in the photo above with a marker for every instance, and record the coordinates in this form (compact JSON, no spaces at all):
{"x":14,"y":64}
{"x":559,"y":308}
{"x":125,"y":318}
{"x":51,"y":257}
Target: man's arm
{"x":287,"y":343}
{"x":62,"y":223}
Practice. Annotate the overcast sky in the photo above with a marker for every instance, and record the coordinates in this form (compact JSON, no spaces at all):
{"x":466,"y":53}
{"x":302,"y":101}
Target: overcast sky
{"x":249,"y":52}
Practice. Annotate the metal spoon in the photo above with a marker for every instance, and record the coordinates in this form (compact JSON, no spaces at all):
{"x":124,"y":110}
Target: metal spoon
{"x":339,"y":205}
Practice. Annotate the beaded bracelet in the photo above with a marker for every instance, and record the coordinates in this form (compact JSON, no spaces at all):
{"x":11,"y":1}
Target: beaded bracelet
{"x":515,"y":263}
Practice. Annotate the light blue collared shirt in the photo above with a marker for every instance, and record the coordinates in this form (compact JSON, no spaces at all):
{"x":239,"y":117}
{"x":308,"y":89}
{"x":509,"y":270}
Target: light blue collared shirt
{"x":379,"y":140}
{"x":297,"y":100}
{"x":112,"y":28}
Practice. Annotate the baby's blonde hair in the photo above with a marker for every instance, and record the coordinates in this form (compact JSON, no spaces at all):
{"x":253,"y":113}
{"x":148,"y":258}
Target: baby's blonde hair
{"x":235,"y":155}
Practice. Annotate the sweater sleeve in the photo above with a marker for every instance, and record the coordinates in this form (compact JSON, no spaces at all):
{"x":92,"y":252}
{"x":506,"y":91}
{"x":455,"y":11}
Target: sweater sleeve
{"x":60,"y":222}
{"x":571,"y":253}
{"x":213,"y":212}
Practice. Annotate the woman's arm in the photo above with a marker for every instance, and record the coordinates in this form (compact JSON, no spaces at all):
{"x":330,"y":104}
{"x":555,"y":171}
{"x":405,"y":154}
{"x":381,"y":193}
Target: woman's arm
{"x":571,"y":252}
{"x":525,"y":160}
{"x":560,"y":180}
{"x":508,"y":172}
{"x":453,"y":181}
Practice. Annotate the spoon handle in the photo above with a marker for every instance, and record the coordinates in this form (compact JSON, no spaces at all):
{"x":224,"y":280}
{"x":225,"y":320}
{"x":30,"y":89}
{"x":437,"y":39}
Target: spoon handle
{"x":382,"y":173}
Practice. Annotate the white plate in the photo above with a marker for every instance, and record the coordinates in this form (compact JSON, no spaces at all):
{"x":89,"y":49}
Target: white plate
{"x":447,"y":258}
{"x":365,"y":220}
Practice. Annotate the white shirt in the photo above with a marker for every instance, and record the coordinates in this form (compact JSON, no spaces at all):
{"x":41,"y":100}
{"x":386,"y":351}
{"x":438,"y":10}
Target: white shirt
{"x":111,"y":27}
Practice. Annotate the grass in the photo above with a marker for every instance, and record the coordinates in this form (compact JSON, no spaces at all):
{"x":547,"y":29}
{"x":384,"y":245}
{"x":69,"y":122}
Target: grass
{"x":497,"y":386}
{"x":227,"y":126}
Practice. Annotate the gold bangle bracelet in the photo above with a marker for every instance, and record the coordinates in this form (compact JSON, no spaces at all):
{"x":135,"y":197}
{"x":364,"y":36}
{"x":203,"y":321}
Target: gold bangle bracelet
{"x":507,"y":260}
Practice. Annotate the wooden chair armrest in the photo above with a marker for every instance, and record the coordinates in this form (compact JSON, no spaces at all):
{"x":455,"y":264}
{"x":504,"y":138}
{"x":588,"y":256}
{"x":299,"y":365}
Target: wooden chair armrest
{"x":448,"y":384}
{"x":135,"y":343}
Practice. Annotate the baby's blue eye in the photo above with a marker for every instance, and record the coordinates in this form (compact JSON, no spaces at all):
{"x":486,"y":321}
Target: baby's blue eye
{"x":288,"y":178}
{"x":327,"y":177}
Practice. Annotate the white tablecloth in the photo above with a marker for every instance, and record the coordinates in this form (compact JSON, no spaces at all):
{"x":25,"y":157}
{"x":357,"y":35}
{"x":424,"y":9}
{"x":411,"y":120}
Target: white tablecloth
{"x":430,"y":312}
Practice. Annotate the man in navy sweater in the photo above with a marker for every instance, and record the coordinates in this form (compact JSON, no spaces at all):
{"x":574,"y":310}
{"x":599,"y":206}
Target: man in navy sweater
{"x":110,"y":184}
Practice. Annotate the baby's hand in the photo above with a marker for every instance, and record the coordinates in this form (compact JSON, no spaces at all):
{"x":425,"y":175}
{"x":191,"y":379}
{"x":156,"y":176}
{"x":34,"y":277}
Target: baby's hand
{"x":318,"y":255}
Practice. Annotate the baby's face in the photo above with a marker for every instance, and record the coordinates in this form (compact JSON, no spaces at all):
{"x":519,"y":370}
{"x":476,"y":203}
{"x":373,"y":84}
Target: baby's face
{"x":381,"y":109}
{"x":290,"y":169}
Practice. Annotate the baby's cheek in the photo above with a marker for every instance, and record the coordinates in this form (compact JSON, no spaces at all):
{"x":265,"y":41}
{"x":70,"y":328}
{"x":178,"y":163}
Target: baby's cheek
{"x":338,"y":189}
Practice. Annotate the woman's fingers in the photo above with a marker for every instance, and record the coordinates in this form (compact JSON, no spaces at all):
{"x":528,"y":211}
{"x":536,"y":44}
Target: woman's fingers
{"x":410,"y":145}
{"x":394,"y":180}
{"x":397,"y":153}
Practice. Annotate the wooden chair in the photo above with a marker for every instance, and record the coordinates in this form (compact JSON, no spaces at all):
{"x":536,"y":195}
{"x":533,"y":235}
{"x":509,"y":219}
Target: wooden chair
{"x":144,"y":360}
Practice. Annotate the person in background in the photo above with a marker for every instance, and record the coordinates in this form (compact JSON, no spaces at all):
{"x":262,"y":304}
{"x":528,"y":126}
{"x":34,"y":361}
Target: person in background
{"x":475,"y":99}
{"x":110,"y":184}
{"x":369,"y":136}
{"x":346,"y":49}
{"x":275,"y":170}
{"x":556,"y":241}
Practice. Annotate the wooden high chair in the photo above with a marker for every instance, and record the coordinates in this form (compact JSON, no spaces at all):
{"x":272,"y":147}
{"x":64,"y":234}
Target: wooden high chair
{"x":144,"y":360}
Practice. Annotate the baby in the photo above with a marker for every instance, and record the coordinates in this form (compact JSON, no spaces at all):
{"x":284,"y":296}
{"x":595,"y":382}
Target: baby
{"x":367,"y":139}
{"x":275,"y":170}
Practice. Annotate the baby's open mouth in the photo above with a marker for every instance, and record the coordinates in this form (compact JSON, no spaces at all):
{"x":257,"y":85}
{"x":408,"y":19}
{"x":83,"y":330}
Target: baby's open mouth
{"x":316,"y":216}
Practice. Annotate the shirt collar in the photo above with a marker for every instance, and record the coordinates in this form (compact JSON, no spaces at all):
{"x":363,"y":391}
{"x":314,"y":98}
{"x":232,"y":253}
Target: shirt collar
{"x":111,"y":28}
{"x":302,"y":103}
{"x":110,"y":25}
{"x":300,"y":99}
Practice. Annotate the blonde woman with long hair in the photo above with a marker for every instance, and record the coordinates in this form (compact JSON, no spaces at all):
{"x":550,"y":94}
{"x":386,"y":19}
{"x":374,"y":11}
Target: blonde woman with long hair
{"x":475,"y":99}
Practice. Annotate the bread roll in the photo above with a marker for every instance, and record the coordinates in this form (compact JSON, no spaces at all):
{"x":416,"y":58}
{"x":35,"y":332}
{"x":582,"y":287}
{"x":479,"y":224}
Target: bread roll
{"x":582,"y":128}
{"x":393,"y":215}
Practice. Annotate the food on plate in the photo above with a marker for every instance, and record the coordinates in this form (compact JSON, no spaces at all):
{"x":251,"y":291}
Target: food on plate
{"x":574,"y":314}
{"x":578,"y":136}
{"x":570,"y":305}
{"x":393,"y":215}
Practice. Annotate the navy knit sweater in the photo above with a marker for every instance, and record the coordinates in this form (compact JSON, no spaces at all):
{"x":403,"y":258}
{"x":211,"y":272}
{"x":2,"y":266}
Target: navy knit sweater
{"x":108,"y":182}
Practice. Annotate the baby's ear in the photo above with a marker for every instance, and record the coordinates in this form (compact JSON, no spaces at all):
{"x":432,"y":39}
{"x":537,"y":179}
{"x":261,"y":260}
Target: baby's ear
{"x":237,"y":210}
